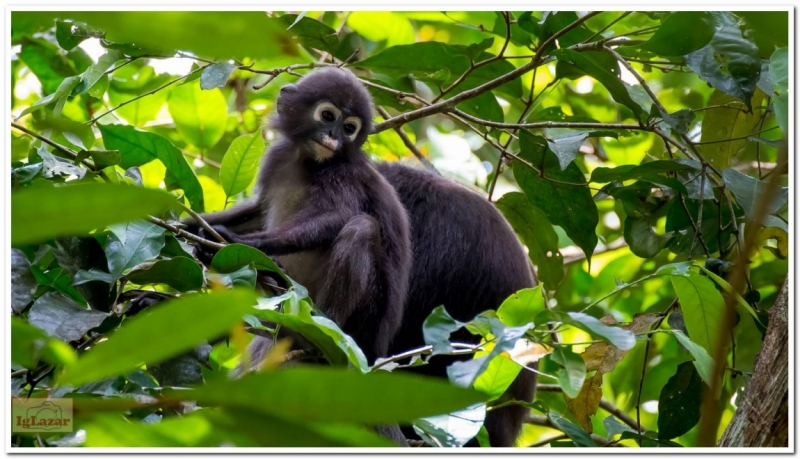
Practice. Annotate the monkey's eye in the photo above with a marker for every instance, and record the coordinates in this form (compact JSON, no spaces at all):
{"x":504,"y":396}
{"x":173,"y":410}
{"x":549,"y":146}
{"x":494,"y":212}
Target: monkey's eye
{"x":351,"y":126}
{"x":326,"y":112}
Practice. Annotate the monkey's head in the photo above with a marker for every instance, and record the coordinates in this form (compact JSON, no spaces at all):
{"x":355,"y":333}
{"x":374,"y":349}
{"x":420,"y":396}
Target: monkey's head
{"x":327,"y":113}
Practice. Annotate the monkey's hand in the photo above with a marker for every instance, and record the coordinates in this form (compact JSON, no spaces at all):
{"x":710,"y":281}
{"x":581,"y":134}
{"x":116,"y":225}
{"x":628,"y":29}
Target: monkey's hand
{"x":204,"y":253}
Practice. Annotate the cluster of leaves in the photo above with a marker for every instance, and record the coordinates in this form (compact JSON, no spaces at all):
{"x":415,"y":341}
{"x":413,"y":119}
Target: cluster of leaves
{"x":677,"y":117}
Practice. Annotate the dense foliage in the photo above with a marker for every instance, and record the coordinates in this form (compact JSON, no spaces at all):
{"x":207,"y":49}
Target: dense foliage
{"x":639,"y":157}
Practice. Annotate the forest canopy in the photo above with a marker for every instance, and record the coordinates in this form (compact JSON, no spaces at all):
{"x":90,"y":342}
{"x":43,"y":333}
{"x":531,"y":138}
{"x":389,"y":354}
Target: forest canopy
{"x":640,"y":157}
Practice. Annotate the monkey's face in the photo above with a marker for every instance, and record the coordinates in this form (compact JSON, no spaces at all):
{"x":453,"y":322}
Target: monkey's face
{"x":327,"y":113}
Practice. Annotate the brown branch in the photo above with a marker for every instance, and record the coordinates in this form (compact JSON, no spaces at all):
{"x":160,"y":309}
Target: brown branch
{"x":203,"y":223}
{"x":184,"y":234}
{"x":407,"y":142}
{"x":64,"y":150}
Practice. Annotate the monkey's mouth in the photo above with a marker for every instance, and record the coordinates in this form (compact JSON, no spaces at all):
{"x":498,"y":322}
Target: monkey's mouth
{"x":326,"y":148}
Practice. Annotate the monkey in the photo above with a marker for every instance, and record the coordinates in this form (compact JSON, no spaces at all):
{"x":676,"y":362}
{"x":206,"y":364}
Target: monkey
{"x":328,"y":217}
{"x":465,"y":257}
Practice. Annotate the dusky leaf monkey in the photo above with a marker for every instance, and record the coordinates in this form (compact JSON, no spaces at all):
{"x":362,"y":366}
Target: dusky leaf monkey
{"x":335,"y":226}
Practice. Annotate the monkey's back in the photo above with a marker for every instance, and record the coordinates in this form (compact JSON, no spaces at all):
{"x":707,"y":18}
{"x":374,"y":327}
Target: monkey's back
{"x":467,"y":258}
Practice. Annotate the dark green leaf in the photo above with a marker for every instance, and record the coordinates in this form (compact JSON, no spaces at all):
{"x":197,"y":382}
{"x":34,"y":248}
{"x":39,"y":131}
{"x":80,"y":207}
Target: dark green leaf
{"x":52,"y":165}
{"x":748,"y":192}
{"x":627,"y":172}
{"x":132,"y":243}
{"x":607,"y":76}
{"x":730,"y":62}
{"x":216,"y":75}
{"x":91,"y":275}
{"x":23,"y":284}
{"x":234,"y":256}
{"x":311,"y":33}
{"x":703,"y":309}
{"x":437,"y":329}
{"x":679,"y":403}
{"x":681,"y":33}
{"x":642,"y":240}
{"x":536,"y":232}
{"x":180,"y":273}
{"x":574,"y":431}
{"x":62,"y":318}
{"x":568,"y":206}
{"x":151,"y":337}
{"x":139,"y":148}
{"x":71,"y":34}
{"x":73,"y":209}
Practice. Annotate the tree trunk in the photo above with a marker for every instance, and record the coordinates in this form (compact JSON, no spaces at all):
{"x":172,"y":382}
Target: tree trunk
{"x":762,"y":418}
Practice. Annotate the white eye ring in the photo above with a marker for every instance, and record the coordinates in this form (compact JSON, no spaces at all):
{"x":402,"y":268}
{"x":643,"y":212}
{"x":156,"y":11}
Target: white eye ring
{"x":357,"y":122}
{"x":326,"y":106}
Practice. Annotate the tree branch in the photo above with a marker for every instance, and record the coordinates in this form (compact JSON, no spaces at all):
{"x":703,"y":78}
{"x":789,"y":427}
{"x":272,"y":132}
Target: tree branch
{"x":407,"y":142}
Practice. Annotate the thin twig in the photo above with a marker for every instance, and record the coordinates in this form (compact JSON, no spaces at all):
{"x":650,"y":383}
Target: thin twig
{"x":407,"y":142}
{"x":66,"y":151}
{"x":203,"y":223}
{"x":737,"y":138}
{"x":184,"y":234}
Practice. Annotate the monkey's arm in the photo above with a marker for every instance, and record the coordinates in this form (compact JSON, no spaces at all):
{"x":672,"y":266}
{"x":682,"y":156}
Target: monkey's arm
{"x":246,"y":217}
{"x":305,"y":231}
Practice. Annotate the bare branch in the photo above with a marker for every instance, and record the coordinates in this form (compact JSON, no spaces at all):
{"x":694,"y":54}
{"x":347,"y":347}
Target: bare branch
{"x":407,"y":142}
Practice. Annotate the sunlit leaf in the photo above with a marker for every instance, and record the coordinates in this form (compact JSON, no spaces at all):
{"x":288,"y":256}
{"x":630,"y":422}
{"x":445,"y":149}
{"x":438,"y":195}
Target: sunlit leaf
{"x":240,"y":163}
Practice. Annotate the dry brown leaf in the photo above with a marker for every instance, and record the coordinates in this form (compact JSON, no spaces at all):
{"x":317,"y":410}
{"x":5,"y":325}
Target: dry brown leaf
{"x":587,"y":402}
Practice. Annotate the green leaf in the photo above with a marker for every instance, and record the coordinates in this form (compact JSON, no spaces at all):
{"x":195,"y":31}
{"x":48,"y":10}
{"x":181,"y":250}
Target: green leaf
{"x":240,"y":163}
{"x":779,"y":69}
{"x":679,"y":402}
{"x":536,"y":232}
{"x":73,"y":209}
{"x":629,"y":172}
{"x":96,"y":71}
{"x":702,"y":361}
{"x":452,"y":430}
{"x":46,"y":62}
{"x":29,"y":344}
{"x":573,"y":431}
{"x":566,"y":146}
{"x":619,"y":337}
{"x":23,"y":283}
{"x":139,"y":148}
{"x":781,"y":106}
{"x":152,"y":337}
{"x":62,"y":318}
{"x":437,"y":328}
{"x":132,"y":243}
{"x":614,"y":427}
{"x":572,"y":373}
{"x":216,"y":75}
{"x":727,"y":127}
{"x":200,"y":116}
{"x":180,"y":273}
{"x":522,"y":306}
{"x":71,"y":34}
{"x":310,"y":32}
{"x":642,"y":240}
{"x":20,"y":146}
{"x":338,"y":348}
{"x":748,"y":191}
{"x":464,"y":373}
{"x":730,"y":62}
{"x":336,"y":395}
{"x":497,"y":377}
{"x":234,"y":256}
{"x":703,"y":309}
{"x":608,"y":77}
{"x":63,"y":90}
{"x":568,"y":206}
{"x":681,"y":33}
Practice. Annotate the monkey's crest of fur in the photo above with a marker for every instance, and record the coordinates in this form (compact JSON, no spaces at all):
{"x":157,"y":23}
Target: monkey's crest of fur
{"x":296,"y":102}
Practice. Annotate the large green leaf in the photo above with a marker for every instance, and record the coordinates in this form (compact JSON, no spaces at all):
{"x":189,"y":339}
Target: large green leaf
{"x":748,"y":191}
{"x":568,"y":206}
{"x":96,"y":71}
{"x":641,"y":238}
{"x":730,"y":62}
{"x":199,"y":115}
{"x":679,"y":402}
{"x":140,"y":147}
{"x":608,"y":76}
{"x":703,"y":309}
{"x":163,"y":332}
{"x":180,"y":273}
{"x":132,"y":243}
{"x":521,"y":307}
{"x":240,"y":163}
{"x":310,"y":32}
{"x":330,"y":394}
{"x":63,"y":90}
{"x":536,"y":232}
{"x":78,"y":209}
{"x":727,"y":128}
{"x":621,"y":338}
{"x":235,"y":256}
{"x":61,"y":318}
{"x":49,"y":65}
{"x":681,"y":33}
{"x":572,"y":373}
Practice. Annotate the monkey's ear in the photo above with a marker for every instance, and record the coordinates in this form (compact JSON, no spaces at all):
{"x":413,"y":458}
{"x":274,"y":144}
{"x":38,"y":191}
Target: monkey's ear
{"x":285,"y":90}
